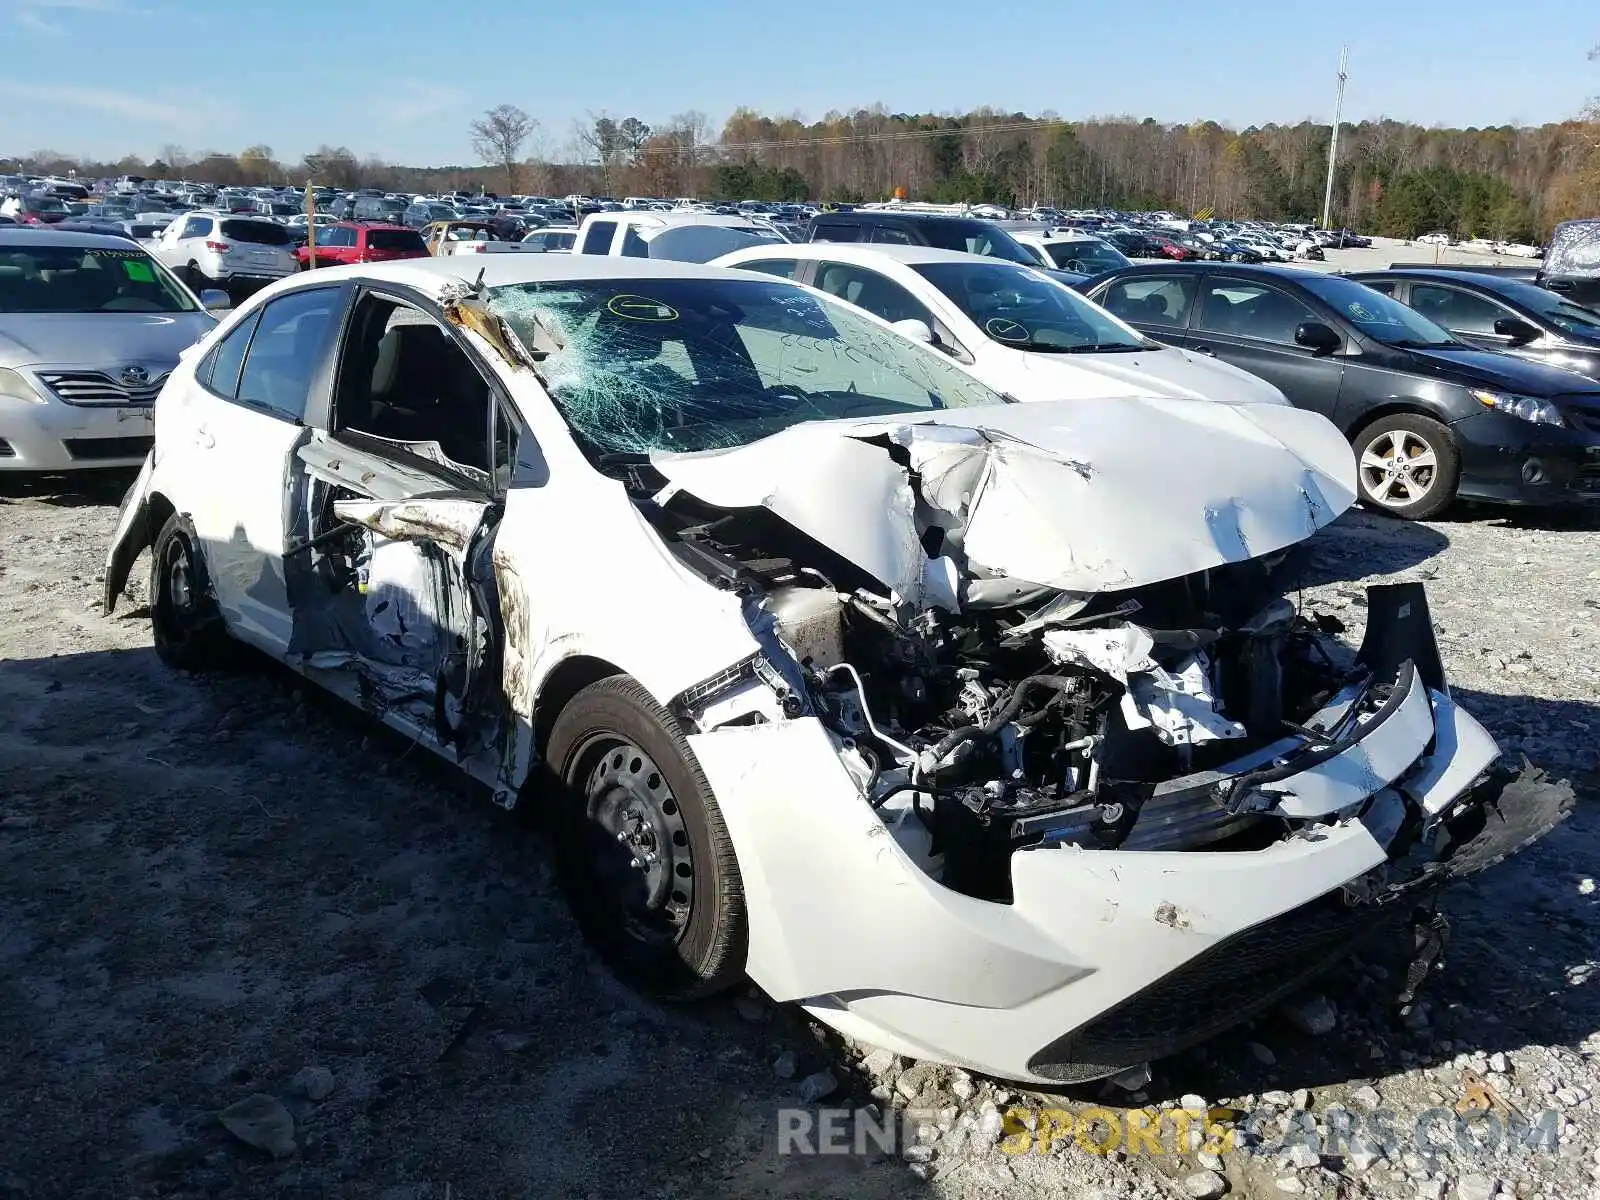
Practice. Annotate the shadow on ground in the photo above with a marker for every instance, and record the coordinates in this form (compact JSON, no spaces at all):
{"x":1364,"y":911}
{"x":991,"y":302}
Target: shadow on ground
{"x":213,"y":882}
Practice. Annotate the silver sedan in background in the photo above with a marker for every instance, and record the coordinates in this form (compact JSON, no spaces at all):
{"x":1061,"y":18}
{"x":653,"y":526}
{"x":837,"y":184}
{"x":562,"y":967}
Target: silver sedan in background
{"x":90,"y":327}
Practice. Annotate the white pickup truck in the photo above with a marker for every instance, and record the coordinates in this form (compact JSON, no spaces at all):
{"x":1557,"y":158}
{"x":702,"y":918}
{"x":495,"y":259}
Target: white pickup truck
{"x":681,"y":236}
{"x":469,"y":237}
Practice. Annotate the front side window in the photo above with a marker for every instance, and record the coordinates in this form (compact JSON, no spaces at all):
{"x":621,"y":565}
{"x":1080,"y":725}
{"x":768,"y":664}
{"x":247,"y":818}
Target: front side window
{"x":1086,"y":257}
{"x":696,"y":364}
{"x":869,"y":290}
{"x":891,"y":235}
{"x":835,"y":231}
{"x":404,"y":380}
{"x":1021,"y":308}
{"x":1152,"y":299}
{"x":1251,"y":310}
{"x":74,"y":279}
{"x":1377,"y":316}
{"x":1457,"y":310}
{"x":974,"y":237}
{"x":286,"y":351}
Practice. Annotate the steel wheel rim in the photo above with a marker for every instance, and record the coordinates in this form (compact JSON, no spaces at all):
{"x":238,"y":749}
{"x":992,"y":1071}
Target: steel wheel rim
{"x":178,"y":574}
{"x":1399,"y":467}
{"x":638,"y":843}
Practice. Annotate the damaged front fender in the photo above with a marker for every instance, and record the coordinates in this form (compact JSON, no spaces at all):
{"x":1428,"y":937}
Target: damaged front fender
{"x":133,"y":535}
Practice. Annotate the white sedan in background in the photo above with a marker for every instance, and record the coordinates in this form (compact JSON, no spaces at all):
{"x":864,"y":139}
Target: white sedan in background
{"x":1014,"y":327}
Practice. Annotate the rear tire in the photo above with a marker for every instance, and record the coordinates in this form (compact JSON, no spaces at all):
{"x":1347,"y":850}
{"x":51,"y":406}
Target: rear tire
{"x":645,"y":858}
{"x":184,"y":620}
{"x":1407,"y":465}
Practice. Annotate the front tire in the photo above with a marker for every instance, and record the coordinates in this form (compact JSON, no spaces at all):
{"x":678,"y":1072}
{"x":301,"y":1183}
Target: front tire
{"x":645,"y":857}
{"x":185,"y":623}
{"x":1408,"y":465}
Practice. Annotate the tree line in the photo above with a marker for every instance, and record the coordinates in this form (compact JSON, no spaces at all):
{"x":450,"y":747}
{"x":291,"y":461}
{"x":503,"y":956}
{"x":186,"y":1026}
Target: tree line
{"x":1392,"y":177}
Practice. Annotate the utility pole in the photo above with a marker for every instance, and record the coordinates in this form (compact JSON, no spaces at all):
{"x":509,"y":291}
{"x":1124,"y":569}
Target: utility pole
{"x":1333,"y":142}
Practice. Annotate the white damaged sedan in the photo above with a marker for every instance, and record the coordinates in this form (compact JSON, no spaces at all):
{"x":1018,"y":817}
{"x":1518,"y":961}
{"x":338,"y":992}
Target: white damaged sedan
{"x":979,"y":729}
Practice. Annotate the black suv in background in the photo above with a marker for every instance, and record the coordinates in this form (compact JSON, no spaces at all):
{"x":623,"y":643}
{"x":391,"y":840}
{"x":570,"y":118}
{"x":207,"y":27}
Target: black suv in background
{"x":1430,"y":417}
{"x":970,"y":235}
{"x":1496,"y":312}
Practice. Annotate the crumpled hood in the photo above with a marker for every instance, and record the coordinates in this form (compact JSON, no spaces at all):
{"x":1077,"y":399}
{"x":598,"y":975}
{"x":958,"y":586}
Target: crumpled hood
{"x":92,"y":340}
{"x":1162,"y":371}
{"x":1084,"y":496}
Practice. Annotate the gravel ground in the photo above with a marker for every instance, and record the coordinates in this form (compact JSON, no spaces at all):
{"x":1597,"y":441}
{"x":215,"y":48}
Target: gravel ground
{"x":251,"y":945}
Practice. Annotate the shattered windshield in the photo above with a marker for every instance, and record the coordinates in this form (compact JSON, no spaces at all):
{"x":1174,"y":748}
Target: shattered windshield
{"x":700,"y":364}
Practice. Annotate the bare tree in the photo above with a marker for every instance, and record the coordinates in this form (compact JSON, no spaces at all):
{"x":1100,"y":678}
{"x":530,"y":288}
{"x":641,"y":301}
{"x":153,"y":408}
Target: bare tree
{"x":498,"y":137}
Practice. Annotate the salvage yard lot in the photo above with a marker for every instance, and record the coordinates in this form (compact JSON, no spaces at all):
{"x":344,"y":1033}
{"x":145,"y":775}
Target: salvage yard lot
{"x":212,"y":883}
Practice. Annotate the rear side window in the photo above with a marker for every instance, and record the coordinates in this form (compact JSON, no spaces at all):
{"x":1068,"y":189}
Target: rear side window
{"x":598,"y":239}
{"x":782,"y":268}
{"x":835,"y":231}
{"x":1252,"y":310}
{"x":395,"y":239}
{"x":892,"y":235}
{"x":286,"y":351}
{"x":220,"y":371}
{"x":258,"y":233}
{"x":634,"y":246}
{"x":1151,"y":299}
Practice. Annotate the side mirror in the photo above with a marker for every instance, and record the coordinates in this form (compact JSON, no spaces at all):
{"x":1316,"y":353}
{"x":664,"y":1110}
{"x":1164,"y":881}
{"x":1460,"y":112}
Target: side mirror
{"x":1316,"y":337}
{"x":1519,"y":331}
{"x":915,"y":329}
{"x":215,"y":300}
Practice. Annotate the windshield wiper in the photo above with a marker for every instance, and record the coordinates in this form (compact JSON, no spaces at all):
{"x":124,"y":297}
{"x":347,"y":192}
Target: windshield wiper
{"x":1413,"y":344}
{"x":1086,"y":348}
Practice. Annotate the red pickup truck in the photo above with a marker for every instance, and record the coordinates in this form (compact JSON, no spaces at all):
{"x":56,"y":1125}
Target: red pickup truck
{"x":358,"y":242}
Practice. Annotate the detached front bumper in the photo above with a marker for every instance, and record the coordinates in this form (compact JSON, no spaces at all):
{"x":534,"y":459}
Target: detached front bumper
{"x":1106,"y":958}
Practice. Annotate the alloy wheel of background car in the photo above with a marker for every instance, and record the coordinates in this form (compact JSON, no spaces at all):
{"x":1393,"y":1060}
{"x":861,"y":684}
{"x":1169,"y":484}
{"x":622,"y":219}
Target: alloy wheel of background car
{"x":647,"y":863}
{"x":1407,"y":465}
{"x":185,"y":624}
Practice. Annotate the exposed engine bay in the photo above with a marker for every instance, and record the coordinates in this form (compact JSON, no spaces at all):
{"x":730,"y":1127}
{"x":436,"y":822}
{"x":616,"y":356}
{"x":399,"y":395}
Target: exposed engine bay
{"x":1035,"y":716}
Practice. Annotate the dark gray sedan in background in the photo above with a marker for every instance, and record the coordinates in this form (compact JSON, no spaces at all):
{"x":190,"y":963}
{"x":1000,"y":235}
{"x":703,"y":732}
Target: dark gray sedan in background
{"x":90,"y":327}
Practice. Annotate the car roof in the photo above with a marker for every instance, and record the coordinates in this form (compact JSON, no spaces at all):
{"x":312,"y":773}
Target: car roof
{"x":22,"y":235}
{"x":866,"y":254}
{"x":1476,"y":277}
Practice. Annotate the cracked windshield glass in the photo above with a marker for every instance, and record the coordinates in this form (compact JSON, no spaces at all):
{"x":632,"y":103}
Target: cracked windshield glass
{"x":701,"y":364}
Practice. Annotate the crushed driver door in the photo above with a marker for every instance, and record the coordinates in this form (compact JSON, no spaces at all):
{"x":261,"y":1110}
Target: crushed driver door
{"x":394,"y":597}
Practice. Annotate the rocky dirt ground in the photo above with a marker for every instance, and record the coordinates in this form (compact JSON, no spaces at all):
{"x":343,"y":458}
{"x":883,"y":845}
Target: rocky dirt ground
{"x":252,"y":945}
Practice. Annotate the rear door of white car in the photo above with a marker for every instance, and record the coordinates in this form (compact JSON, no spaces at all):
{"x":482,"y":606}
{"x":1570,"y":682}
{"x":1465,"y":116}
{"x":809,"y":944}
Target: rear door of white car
{"x":236,"y":431}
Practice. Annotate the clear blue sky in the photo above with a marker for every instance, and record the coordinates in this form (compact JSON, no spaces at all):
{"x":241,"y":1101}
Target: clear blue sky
{"x":402,"y":78}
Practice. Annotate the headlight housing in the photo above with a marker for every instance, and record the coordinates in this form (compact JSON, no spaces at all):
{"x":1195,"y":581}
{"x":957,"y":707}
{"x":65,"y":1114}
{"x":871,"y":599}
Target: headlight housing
{"x":1526,"y":408}
{"x":13,"y":384}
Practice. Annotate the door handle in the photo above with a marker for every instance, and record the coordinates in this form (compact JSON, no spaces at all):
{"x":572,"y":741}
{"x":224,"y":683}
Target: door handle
{"x":1206,"y":350}
{"x":203,"y":438}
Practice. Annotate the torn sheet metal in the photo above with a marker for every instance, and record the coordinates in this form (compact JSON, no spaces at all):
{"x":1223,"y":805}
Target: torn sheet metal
{"x":1083,"y":497}
{"x":825,"y":487}
{"x":1390,"y":744}
{"x":1462,"y":751}
{"x":449,"y":522}
{"x":1178,"y":704}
